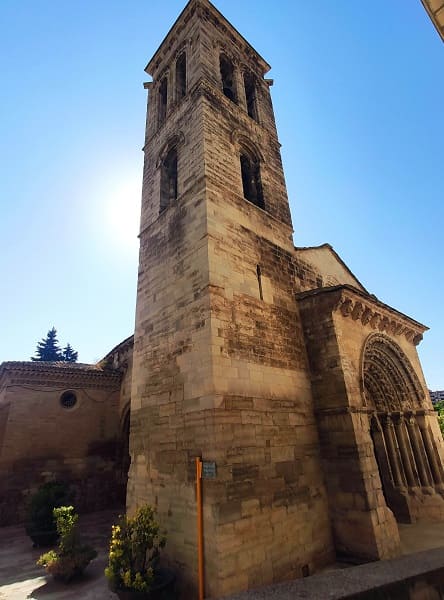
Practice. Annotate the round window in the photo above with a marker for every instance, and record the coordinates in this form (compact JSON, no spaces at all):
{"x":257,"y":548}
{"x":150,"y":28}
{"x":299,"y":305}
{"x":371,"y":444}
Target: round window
{"x":68,"y":399}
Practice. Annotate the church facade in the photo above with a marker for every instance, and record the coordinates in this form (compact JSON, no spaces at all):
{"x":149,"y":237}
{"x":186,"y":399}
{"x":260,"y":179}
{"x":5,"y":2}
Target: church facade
{"x":270,"y":361}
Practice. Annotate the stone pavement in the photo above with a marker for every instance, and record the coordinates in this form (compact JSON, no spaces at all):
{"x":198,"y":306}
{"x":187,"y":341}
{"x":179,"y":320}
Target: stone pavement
{"x":21,"y":578}
{"x":418,"y":576}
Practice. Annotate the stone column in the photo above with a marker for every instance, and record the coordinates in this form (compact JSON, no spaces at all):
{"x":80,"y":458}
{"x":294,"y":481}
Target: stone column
{"x":418,"y":451}
{"x":431,"y":455}
{"x":392,"y":451}
{"x":172,"y":96}
{"x":405,"y":450}
{"x":240,"y":87}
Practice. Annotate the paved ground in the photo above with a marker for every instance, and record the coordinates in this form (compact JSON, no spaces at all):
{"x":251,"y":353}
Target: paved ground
{"x":421,"y":536}
{"x":419,"y":575}
{"x":21,"y":578}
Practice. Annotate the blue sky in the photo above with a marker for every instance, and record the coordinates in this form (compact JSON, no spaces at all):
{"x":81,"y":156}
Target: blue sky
{"x":357,"y":96}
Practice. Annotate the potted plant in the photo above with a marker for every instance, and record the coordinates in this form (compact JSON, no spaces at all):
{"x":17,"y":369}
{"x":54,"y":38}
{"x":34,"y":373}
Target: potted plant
{"x":40,"y":524}
{"x":72,"y":557}
{"x":133,"y":571}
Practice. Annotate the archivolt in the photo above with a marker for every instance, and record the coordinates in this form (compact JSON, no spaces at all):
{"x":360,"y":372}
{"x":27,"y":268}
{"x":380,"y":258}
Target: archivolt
{"x":388,"y":380}
{"x":242,"y":142}
{"x":173,"y":141}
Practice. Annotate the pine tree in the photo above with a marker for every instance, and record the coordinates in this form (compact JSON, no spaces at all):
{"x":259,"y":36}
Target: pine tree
{"x":69,"y":355}
{"x":48,"y":349}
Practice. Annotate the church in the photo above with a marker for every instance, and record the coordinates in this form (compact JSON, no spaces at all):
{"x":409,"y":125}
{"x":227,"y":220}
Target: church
{"x":271,"y":363}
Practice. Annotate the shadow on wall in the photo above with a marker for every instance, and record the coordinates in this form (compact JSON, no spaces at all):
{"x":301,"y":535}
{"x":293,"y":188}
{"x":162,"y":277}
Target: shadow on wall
{"x":95,"y":480}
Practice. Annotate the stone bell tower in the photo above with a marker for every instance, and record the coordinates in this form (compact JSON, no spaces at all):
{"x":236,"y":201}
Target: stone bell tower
{"x":220,"y":368}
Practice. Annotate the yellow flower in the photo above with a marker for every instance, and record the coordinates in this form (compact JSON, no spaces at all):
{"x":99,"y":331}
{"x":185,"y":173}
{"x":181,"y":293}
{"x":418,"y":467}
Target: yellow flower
{"x":127,"y":578}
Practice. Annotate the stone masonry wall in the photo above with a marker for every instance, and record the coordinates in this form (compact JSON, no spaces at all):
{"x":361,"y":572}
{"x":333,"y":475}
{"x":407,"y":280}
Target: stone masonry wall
{"x":43,"y":441}
{"x":363,"y":527}
{"x":352,"y":335}
{"x":321,"y":267}
{"x":269,"y":493}
{"x":171,"y":379}
{"x":219,"y":372}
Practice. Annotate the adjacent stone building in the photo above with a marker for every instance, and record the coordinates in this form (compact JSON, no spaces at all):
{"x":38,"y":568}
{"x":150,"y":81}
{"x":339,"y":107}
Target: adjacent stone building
{"x":436,"y":396}
{"x":269,"y":360}
{"x":65,"y":421}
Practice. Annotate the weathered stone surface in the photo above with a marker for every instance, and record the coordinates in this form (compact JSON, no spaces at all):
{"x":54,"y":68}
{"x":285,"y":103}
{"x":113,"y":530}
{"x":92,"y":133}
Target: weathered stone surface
{"x":273,"y":362}
{"x":41,"y":440}
{"x":251,"y":353}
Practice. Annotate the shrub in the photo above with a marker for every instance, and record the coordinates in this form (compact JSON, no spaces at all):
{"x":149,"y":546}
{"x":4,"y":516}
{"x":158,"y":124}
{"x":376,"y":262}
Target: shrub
{"x":72,"y":557}
{"x":40,"y":523}
{"x":135,"y":551}
{"x":439,"y":407}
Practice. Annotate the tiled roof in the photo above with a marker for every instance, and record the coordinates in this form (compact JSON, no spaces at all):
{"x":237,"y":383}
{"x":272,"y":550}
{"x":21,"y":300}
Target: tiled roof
{"x":27,"y":365}
{"x":57,"y":369}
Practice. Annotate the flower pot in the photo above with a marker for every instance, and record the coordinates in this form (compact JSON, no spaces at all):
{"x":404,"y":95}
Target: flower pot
{"x":162,"y":588}
{"x":68,"y":576}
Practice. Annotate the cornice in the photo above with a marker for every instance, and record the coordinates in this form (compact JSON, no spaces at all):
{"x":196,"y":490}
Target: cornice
{"x":170,"y":39}
{"x":205,"y":11}
{"x":359,"y":306}
{"x":54,"y":374}
{"x":380,"y":317}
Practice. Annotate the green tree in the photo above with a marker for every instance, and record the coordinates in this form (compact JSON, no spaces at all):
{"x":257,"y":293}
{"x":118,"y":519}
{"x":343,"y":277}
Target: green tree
{"x":439,"y":407}
{"x":69,"y":355}
{"x":48,"y":349}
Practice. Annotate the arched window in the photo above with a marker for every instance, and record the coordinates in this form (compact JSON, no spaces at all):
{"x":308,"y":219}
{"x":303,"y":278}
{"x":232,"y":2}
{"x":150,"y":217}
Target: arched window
{"x":251,"y":179}
{"x":250,"y":95}
{"x":168,"y":179}
{"x":227,"y":76}
{"x":181,"y":76}
{"x":163,"y":99}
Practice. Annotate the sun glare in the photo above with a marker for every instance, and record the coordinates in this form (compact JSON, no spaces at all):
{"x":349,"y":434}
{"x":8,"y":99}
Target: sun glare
{"x":121,"y":213}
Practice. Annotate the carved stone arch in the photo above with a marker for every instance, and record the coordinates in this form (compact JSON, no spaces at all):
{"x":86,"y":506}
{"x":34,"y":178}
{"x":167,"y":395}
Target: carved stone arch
{"x":388,"y":380}
{"x":165,"y":72}
{"x":250,"y":159}
{"x":228,"y":75}
{"x":183,"y":47}
{"x":223,"y":50}
{"x":376,"y":393}
{"x":243,"y":142}
{"x":176,"y":140}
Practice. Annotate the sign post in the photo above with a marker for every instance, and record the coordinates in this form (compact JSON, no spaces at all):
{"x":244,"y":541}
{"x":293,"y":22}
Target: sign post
{"x":199,"y":527}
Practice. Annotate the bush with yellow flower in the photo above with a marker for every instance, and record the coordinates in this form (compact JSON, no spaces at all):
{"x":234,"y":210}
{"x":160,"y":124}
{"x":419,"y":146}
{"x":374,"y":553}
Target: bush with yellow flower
{"x":134,"y":552}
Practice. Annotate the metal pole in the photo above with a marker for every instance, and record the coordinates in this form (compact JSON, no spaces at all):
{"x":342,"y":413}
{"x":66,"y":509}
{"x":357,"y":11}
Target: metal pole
{"x":200,"y":557}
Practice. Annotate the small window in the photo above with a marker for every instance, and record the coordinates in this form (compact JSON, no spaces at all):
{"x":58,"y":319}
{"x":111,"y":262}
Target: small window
{"x":163,"y":99}
{"x":250,"y":95}
{"x":181,"y":77}
{"x":227,"y":76}
{"x":68,"y":399}
{"x":251,"y":180}
{"x":168,"y":180}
